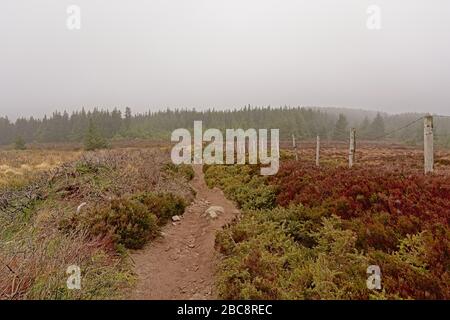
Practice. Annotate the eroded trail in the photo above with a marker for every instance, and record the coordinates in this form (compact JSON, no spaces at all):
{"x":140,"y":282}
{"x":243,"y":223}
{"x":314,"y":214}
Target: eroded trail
{"x":182,"y":263}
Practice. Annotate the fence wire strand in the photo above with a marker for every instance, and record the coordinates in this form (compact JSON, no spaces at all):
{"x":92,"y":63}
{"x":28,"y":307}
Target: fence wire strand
{"x":399,"y":129}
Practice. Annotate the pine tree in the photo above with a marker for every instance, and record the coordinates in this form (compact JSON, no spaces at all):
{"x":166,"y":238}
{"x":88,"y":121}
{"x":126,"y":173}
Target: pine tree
{"x":127,"y":118}
{"x":377,"y":127}
{"x":303,"y":122}
{"x":340,"y":129}
{"x":19,"y":143}
{"x":364,"y":128}
{"x":93,"y":140}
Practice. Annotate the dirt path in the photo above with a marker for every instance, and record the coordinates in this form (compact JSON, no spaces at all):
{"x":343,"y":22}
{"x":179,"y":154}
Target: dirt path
{"x":182,"y":263}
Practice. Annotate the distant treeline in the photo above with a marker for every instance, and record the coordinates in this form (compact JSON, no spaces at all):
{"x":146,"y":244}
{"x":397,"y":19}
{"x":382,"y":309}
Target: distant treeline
{"x":304,"y":123}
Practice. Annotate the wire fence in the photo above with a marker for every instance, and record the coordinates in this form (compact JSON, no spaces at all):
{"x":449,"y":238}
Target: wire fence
{"x":399,"y":129}
{"x":442,"y":138}
{"x":438,"y":143}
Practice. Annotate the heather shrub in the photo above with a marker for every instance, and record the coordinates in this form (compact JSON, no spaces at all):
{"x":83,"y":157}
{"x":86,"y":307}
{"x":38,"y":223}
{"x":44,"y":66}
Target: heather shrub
{"x":163,"y":205}
{"x":127,"y":221}
{"x":85,"y":166}
{"x":184,"y":170}
{"x":263,"y":262}
{"x":363,"y":191}
{"x":296,"y":221}
{"x":375,"y":231}
{"x":243,"y":184}
{"x":304,"y":253}
{"x":330,"y":224}
{"x":406,"y":273}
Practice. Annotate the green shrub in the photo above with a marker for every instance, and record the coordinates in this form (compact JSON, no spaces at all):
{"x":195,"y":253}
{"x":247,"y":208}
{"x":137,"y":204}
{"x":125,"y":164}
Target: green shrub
{"x":243,"y":184}
{"x":184,"y":170}
{"x":93,"y":140}
{"x":19,"y":143}
{"x":302,"y":250}
{"x":89,"y":167}
{"x":163,"y":205}
{"x":263,"y":262}
{"x":128,"y":221}
{"x":304,"y":253}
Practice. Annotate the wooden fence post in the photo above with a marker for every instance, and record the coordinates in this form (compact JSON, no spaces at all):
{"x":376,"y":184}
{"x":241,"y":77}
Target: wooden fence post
{"x":351,"y":155}
{"x":318,"y":151}
{"x":428,"y":144}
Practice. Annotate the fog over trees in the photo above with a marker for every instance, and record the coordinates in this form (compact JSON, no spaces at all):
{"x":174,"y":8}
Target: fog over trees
{"x":302,"y":122}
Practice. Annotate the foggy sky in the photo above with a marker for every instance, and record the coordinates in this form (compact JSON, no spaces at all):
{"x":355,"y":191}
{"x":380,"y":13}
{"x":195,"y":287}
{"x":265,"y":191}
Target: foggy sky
{"x":153,"y":54}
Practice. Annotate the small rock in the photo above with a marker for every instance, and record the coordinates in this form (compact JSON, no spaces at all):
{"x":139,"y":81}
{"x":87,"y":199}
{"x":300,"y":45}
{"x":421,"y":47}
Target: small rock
{"x":213,"y":215}
{"x":176,"y":218}
{"x":214,"y":211}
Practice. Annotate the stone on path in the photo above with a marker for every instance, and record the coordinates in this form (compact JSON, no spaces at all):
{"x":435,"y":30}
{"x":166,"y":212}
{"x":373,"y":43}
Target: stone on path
{"x":213,"y":215}
{"x":214,"y":211}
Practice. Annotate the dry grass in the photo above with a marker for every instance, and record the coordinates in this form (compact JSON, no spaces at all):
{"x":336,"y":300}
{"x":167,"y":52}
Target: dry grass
{"x":35,"y":251}
{"x":34,"y":266}
{"x":17,"y":168}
